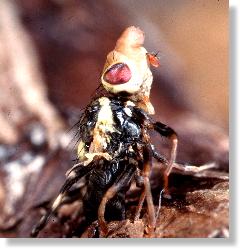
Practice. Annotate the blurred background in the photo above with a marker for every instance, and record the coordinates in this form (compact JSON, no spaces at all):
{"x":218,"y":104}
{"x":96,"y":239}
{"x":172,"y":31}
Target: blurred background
{"x":51,"y":56}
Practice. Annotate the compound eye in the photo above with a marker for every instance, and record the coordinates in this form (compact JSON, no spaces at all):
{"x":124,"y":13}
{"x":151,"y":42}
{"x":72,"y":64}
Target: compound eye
{"x":118,"y":74}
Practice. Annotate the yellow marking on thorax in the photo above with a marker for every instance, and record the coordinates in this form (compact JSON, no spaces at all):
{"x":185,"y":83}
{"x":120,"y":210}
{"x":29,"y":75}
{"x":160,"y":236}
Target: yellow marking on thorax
{"x":103,"y":125}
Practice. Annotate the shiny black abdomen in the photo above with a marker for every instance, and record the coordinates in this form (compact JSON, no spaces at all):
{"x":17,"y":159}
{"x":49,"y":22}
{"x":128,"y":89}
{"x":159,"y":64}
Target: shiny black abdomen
{"x":98,"y":182}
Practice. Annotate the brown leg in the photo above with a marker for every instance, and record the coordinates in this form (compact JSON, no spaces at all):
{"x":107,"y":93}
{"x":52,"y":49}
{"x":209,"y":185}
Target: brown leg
{"x":170,"y":134}
{"x":169,"y":168}
{"x":123,"y":181}
{"x":140,"y":204}
{"x":147,"y":190}
{"x":140,"y":184}
{"x":184,"y":169}
{"x":159,"y":204}
{"x":101,"y":210}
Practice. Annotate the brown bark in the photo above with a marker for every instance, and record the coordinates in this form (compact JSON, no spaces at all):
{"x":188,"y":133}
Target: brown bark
{"x":23,"y":93}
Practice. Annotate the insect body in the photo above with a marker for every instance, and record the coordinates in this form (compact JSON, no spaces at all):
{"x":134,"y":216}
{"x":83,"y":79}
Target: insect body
{"x":114,"y":143}
{"x":115,"y":147}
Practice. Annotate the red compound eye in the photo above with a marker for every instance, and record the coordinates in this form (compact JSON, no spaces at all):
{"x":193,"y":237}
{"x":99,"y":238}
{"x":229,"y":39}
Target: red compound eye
{"x":118,"y":74}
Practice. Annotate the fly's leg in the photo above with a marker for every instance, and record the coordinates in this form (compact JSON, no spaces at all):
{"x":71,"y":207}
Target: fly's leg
{"x":121,"y":183}
{"x":168,"y":132}
{"x":140,"y":184}
{"x":76,"y":174}
{"x":159,"y":157}
{"x":147,"y":191}
{"x":184,"y":169}
{"x":143,"y":118}
{"x":164,"y":130}
{"x":140,"y":205}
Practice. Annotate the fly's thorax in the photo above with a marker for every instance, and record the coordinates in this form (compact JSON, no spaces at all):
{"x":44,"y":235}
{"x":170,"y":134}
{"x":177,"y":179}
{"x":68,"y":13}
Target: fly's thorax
{"x":113,"y":120}
{"x":100,"y":133}
{"x":105,"y":125}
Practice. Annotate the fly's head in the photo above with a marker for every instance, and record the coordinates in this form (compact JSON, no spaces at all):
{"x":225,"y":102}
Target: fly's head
{"x":127,"y":69}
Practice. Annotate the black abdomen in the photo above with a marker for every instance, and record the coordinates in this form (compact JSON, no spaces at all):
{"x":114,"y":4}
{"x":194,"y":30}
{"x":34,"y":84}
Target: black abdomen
{"x":98,"y":182}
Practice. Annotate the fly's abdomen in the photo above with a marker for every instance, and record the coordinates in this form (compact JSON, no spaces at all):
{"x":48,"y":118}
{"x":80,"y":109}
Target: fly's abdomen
{"x":98,"y":182}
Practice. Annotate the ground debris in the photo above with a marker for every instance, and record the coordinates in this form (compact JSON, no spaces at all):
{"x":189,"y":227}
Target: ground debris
{"x":202,"y":214}
{"x":205,"y":211}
